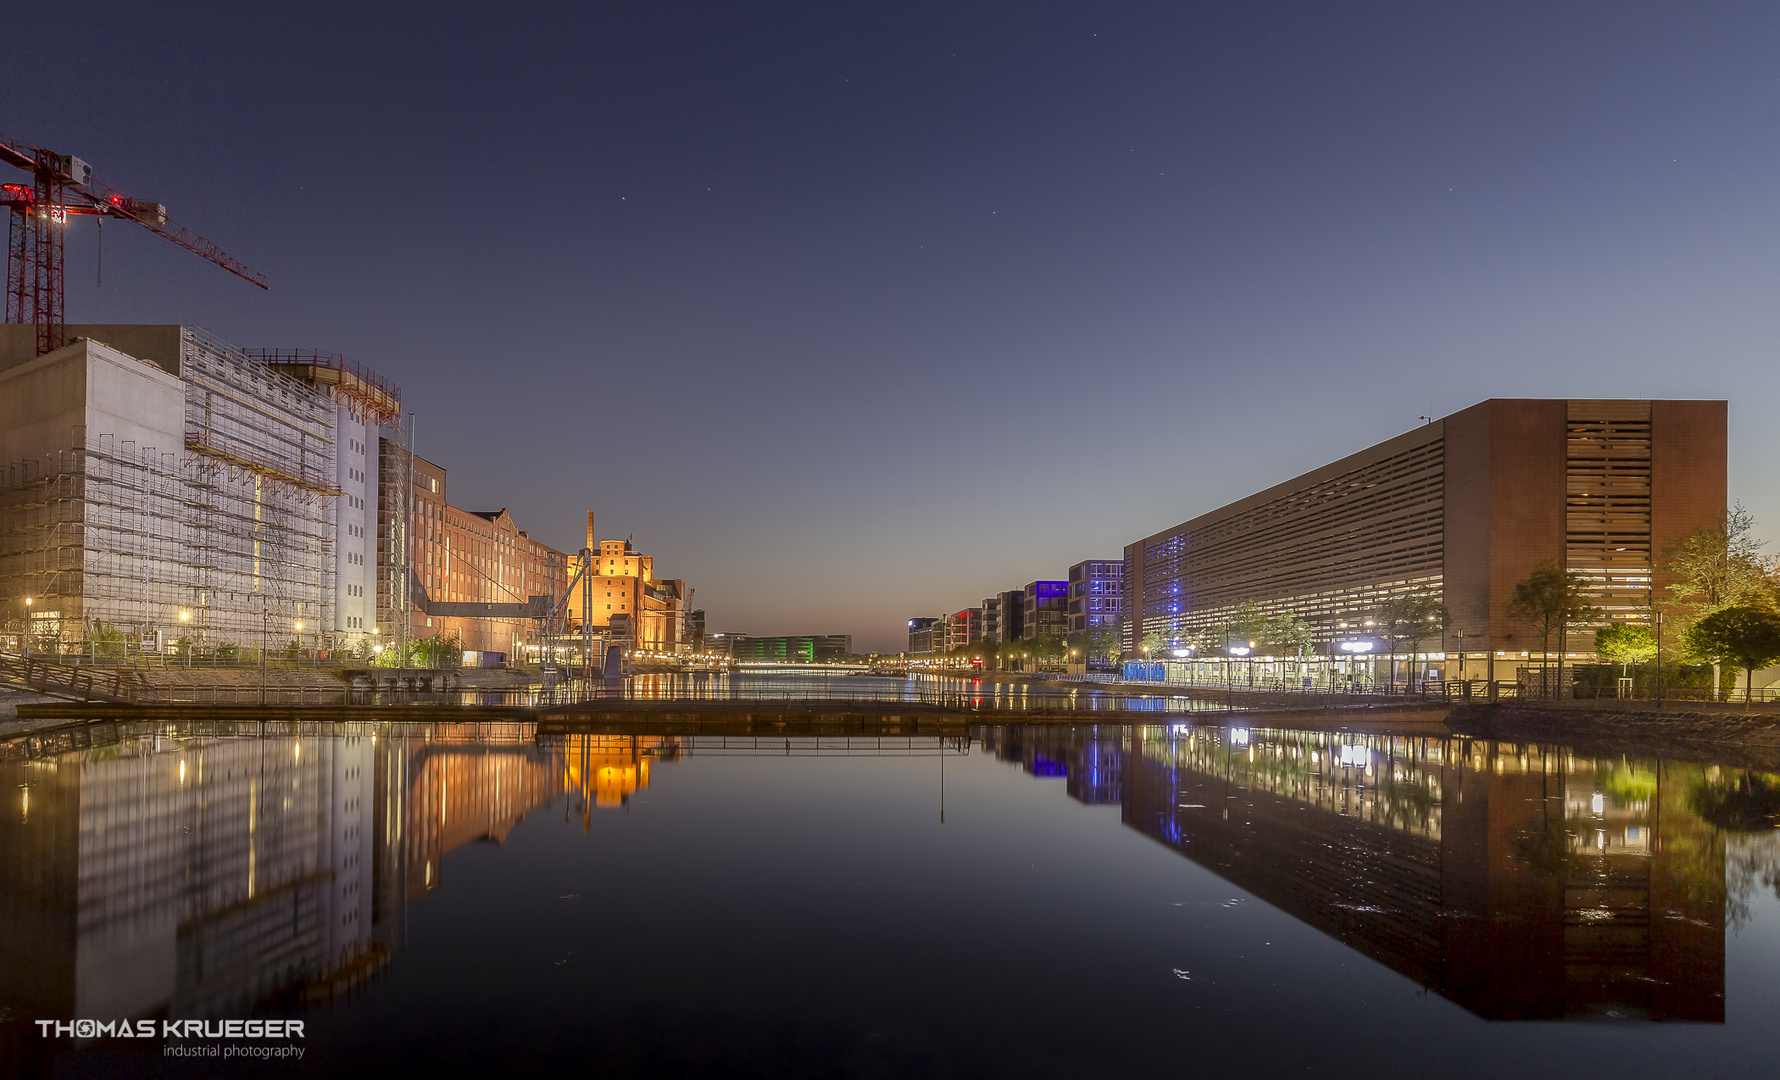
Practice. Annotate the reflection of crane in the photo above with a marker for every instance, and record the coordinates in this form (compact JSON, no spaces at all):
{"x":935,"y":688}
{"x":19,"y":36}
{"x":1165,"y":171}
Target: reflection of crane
{"x":63,"y":186}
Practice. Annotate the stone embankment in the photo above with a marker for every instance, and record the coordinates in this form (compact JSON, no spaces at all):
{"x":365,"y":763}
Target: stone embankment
{"x":152,"y":682}
{"x":1751,"y":739}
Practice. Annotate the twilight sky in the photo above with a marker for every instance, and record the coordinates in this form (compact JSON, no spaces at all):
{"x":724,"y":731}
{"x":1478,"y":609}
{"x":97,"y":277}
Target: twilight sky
{"x":854,"y":312}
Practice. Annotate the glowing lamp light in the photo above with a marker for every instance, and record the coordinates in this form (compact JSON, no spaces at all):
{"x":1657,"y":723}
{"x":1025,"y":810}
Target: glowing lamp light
{"x":1356,"y":646}
{"x":1598,"y":804}
{"x":1239,"y":650}
{"x":1183,"y":652}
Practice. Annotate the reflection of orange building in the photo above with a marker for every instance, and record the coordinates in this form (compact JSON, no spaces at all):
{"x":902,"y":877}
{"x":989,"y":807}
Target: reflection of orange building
{"x":608,"y":769}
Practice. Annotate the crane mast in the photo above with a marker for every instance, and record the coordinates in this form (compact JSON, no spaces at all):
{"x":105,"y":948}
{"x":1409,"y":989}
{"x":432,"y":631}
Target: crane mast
{"x":61,"y":187}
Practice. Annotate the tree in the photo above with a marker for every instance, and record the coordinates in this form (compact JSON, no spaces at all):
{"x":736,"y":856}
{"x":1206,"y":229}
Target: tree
{"x":1410,"y":619}
{"x":1286,"y":633}
{"x":1748,"y":637}
{"x":1153,"y":646}
{"x":1719,"y":566}
{"x":1101,"y":641}
{"x":1547,"y":601}
{"x":1248,"y":623}
{"x":1625,"y":644}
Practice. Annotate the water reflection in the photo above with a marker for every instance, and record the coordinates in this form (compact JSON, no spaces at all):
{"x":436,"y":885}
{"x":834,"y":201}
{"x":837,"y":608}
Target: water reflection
{"x":816,"y":686}
{"x":185,"y":872}
{"x":190,"y":876}
{"x":1522,"y":882}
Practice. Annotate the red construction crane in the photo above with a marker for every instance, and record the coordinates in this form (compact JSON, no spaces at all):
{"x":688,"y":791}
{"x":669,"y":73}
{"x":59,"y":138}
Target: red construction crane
{"x":62,"y":187}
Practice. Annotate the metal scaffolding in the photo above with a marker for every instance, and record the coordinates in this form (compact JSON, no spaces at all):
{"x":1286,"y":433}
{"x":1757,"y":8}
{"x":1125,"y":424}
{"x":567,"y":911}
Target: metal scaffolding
{"x":233,"y":530}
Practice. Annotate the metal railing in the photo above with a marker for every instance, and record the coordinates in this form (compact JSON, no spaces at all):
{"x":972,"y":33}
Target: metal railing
{"x":70,"y":680}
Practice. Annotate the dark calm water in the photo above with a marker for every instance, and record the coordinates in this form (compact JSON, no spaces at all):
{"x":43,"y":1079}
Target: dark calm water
{"x":1165,"y":900}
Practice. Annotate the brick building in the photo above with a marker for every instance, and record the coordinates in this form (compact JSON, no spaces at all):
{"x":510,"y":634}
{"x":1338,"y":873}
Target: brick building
{"x":1465,"y":506}
{"x":457,"y":556}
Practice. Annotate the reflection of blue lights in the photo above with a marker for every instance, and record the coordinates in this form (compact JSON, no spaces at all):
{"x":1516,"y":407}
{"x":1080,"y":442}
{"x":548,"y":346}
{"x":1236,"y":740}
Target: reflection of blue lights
{"x":1044,"y":766}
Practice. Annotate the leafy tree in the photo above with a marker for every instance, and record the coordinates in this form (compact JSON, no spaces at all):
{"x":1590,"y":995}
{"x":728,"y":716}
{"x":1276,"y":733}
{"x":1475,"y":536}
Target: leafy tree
{"x":1719,"y":566}
{"x":434,"y":652}
{"x":1547,"y":601}
{"x":1153,"y":646}
{"x":1749,"y":802}
{"x":1048,"y":649}
{"x":1748,"y":637}
{"x":1247,"y":623}
{"x":1102,"y":642}
{"x":1411,"y":618}
{"x":1286,"y":633}
{"x":106,"y":639}
{"x":1625,"y":644}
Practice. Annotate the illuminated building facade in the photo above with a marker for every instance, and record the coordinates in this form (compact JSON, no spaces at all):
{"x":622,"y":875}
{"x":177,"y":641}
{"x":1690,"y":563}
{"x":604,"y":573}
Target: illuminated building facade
{"x":159,"y":485}
{"x":964,"y":628}
{"x":457,"y":556}
{"x":1096,"y":595}
{"x":793,"y":649}
{"x":1012,"y":618}
{"x":1464,"y":507}
{"x":992,"y":619}
{"x":621,"y":596}
{"x":921,"y":634}
{"x":1046,"y":609}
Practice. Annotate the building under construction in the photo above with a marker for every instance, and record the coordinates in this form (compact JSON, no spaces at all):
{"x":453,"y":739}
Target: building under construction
{"x":157,"y":484}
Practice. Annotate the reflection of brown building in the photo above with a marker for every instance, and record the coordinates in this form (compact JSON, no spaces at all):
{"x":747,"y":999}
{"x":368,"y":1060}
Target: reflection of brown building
{"x":1520,"y":882}
{"x":451,"y":794}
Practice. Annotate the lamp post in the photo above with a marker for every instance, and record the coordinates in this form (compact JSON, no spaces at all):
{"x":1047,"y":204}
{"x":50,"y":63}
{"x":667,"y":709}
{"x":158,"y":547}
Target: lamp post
{"x":185,"y":642}
{"x":27,"y":628}
{"x":299,"y":655}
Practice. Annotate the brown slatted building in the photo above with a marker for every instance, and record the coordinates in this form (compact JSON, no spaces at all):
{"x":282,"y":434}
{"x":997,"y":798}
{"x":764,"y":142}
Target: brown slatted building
{"x":1467,"y":506}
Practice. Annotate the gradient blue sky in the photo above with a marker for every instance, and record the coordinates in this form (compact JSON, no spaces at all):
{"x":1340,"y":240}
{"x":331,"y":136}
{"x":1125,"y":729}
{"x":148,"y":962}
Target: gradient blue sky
{"x":853,"y":312}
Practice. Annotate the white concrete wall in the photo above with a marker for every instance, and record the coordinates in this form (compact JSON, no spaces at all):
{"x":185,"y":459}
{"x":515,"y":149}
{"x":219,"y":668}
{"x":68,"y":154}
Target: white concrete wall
{"x":82,"y":391}
{"x":355,"y":547}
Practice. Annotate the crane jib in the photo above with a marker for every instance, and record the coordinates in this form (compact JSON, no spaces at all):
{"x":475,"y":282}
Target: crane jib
{"x":62,"y":186}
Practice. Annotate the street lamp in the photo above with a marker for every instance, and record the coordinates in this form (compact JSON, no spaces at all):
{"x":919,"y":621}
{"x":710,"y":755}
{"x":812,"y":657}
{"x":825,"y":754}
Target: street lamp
{"x":27,"y":628}
{"x":185,"y":643}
